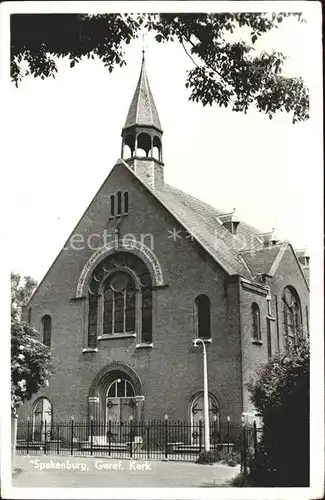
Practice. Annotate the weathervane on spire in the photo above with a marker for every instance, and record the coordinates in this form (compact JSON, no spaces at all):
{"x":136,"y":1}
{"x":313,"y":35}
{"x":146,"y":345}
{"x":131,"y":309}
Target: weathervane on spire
{"x":144,"y":46}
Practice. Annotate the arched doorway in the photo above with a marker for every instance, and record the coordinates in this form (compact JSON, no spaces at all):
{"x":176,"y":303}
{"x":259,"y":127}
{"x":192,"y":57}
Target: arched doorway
{"x":42,"y":418}
{"x":120,"y":401}
{"x":196,"y":411}
{"x":116,"y":394}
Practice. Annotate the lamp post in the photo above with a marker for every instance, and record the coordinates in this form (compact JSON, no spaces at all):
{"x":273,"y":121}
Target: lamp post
{"x":205,"y":393}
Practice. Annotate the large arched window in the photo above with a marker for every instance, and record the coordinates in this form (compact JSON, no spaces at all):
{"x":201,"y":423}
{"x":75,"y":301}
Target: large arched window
{"x":203,"y":329}
{"x":120,"y":299}
{"x":46,"y":330}
{"x":256,"y":322}
{"x":292,"y":314}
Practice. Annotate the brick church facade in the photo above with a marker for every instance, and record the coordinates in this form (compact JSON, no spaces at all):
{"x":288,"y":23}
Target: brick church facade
{"x":147,"y":269}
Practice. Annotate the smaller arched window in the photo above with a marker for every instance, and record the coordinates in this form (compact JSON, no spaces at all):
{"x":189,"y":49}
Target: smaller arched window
{"x":203,"y":327}
{"x":46,"y":330}
{"x":256,"y":324}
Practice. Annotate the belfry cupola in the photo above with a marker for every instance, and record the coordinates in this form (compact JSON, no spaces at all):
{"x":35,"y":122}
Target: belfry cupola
{"x":142,"y":135}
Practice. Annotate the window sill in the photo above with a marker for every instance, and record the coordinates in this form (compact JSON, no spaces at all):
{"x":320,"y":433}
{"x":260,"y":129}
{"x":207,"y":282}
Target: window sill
{"x":117,"y":336}
{"x":257,"y":342}
{"x":144,"y":346}
{"x":90,"y":349}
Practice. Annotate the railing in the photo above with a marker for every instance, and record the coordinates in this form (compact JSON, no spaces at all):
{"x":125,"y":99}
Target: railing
{"x":148,"y":440}
{"x":250,"y":438}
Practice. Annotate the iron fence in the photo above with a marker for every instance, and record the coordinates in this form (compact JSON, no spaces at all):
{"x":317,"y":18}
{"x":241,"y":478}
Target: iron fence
{"x":148,"y":440}
{"x":250,"y":438}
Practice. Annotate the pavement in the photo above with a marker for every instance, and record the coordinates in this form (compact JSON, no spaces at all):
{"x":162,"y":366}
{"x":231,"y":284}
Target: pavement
{"x":89,"y":472}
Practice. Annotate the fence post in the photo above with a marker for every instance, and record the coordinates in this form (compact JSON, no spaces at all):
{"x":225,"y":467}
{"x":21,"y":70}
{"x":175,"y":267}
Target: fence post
{"x":45,"y":431}
{"x":58,"y":439}
{"x":131,"y":435}
{"x":147,"y":438}
{"x":228,"y":433}
{"x":91,"y":434}
{"x":244,"y":451}
{"x":109,"y":436}
{"x":214,"y":431}
{"x":166,"y":436}
{"x":200,"y":435}
{"x":255,"y":437}
{"x":27,"y":448}
{"x":71,"y":441}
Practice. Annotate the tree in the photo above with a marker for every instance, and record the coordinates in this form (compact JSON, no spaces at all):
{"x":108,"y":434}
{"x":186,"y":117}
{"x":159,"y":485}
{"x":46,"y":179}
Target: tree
{"x":21,"y":291}
{"x":226,"y":72}
{"x":30,"y":363}
{"x":280,"y":393}
{"x":30,"y":359}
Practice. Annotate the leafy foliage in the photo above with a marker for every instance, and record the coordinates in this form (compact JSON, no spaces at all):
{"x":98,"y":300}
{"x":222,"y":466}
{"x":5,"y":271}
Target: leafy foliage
{"x":30,"y":363}
{"x":30,"y":359}
{"x":226,"y":72}
{"x":209,"y":457}
{"x":281,"y":395}
{"x":21,"y":291}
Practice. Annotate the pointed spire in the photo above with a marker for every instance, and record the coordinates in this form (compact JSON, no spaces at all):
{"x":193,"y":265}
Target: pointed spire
{"x":143,"y":110}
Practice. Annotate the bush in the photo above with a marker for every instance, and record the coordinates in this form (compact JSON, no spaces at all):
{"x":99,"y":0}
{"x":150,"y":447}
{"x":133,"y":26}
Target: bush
{"x":208,"y":457}
{"x":281,"y":395}
{"x":232,"y":459}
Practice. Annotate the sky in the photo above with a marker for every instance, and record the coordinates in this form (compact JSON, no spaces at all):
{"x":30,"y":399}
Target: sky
{"x":63,"y":136}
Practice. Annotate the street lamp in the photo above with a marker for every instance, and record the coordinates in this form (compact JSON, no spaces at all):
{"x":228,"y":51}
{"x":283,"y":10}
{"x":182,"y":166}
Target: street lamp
{"x":205,"y":393}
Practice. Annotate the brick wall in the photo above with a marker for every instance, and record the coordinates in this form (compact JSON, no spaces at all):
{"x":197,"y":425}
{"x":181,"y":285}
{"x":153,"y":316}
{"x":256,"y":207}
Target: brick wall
{"x":171,"y":372}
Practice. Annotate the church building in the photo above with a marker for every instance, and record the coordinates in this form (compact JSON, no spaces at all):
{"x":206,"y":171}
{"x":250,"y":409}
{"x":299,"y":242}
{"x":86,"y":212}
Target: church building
{"x":148,"y":269}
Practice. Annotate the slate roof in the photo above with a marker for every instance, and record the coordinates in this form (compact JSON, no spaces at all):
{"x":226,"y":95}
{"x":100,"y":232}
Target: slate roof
{"x":143,"y":110}
{"x":260,"y":261}
{"x":202,"y":220}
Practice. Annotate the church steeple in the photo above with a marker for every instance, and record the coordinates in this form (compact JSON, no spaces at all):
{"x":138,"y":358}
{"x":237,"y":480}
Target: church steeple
{"x":142,"y":134}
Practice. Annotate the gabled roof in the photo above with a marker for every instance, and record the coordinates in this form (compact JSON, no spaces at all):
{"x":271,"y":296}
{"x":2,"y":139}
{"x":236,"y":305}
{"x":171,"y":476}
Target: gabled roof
{"x":143,"y":110}
{"x":260,"y":261}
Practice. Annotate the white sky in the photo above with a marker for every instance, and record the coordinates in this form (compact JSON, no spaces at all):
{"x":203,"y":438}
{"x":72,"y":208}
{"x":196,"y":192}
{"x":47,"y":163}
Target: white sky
{"x":64,"y":136}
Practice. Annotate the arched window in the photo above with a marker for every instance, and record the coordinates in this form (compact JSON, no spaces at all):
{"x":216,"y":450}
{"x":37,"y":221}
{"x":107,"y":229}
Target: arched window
{"x":202,"y":303}
{"x":112,"y":207}
{"x":120,"y":299}
{"x":42,"y":418}
{"x":292,"y":314}
{"x":119,"y":203}
{"x":121,"y":388}
{"x":126,"y":202}
{"x":46,"y":330}
{"x":256,"y":322}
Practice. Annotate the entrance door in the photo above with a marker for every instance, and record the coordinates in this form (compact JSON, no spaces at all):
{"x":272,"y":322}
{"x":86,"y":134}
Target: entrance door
{"x":42,"y":419}
{"x":120,"y":409}
{"x":197,"y":415}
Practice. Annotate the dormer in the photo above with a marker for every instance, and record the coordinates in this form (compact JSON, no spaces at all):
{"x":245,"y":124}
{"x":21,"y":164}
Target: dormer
{"x":303,"y":257}
{"x":229,"y":221}
{"x":269,"y":239}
